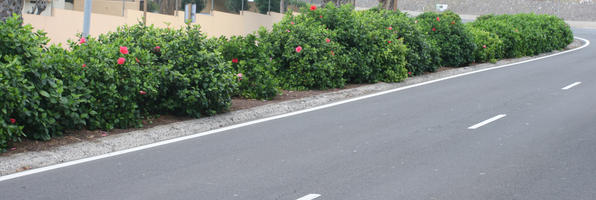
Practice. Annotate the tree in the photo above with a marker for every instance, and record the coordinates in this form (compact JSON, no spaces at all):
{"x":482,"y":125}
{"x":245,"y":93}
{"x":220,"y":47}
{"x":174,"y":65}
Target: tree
{"x":8,"y":7}
{"x":388,"y":4}
{"x":236,"y":5}
{"x":167,"y":7}
{"x":263,"y":6}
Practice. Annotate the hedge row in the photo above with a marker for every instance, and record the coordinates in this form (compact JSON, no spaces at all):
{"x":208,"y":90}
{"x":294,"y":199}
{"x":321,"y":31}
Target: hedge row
{"x":118,"y":79}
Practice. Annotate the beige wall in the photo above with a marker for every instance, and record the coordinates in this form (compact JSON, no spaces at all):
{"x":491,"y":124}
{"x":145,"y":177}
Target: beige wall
{"x":108,"y":7}
{"x":65,"y":24}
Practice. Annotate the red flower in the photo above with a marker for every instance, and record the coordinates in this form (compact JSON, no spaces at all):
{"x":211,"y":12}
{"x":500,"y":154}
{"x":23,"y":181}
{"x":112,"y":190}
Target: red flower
{"x":313,"y":7}
{"x":298,"y":49}
{"x":142,"y":92}
{"x":82,"y":40}
{"x":124,"y":50}
{"x":332,"y":53}
{"x":389,"y":41}
{"x":288,"y":31}
{"x":235,"y":60}
{"x":292,"y":23}
{"x":321,"y":16}
{"x":84,"y":66}
{"x":484,"y":46}
{"x":327,"y":40}
{"x":452,"y":22}
{"x":434,"y":29}
{"x":438,"y":19}
{"x":121,"y":60}
{"x":13,"y":121}
{"x":390,"y":28}
{"x":410,"y":73}
{"x":157,"y":48}
{"x":138,"y":61}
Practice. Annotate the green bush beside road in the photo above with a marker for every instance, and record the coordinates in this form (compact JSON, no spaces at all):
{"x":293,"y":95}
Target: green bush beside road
{"x":118,"y":79}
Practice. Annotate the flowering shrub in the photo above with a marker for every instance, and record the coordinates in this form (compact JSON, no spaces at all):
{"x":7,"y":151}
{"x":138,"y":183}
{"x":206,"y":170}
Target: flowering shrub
{"x":489,"y":47}
{"x":454,"y":42}
{"x":527,"y":34}
{"x":253,"y":65}
{"x":302,"y":56}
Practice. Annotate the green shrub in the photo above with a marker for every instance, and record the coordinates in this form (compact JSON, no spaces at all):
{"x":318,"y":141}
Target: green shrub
{"x":20,"y":40}
{"x":527,"y":34}
{"x":253,"y":65}
{"x":302,"y":56}
{"x":13,"y":87}
{"x":372,"y":53}
{"x":489,"y":46}
{"x":455,"y":44}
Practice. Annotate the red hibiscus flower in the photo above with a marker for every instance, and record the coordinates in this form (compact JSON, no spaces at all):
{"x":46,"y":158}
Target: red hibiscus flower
{"x":292,"y":23}
{"x":327,"y":40}
{"x":124,"y":50}
{"x":84,"y":66}
{"x":313,"y":7}
{"x":235,"y":60}
{"x":142,"y":92}
{"x":438,"y":19}
{"x":157,"y":48}
{"x":434,"y":29}
{"x":410,"y":73}
{"x":121,"y":60}
{"x":389,"y":41}
{"x":82,"y":40}
{"x":390,"y":28}
{"x":13,"y":121}
{"x":484,"y":46}
{"x":321,"y":16}
{"x":298,"y":49}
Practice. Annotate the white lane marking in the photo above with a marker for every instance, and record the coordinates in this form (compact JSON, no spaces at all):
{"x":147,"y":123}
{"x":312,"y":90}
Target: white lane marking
{"x":115,"y":153}
{"x":309,"y":197}
{"x":485,"y":122}
{"x":570,"y":86}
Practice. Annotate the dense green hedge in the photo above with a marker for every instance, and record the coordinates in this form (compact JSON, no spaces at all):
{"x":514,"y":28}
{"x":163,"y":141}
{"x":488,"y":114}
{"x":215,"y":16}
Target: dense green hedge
{"x":118,"y":79}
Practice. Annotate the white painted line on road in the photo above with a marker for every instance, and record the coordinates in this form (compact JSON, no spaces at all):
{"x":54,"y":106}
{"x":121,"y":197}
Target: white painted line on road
{"x":309,"y":197}
{"x":485,"y":122}
{"x":188,"y":137}
{"x":570,"y":86}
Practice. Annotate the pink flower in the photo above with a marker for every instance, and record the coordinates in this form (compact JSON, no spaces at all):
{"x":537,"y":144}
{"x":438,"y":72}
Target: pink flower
{"x":434,"y":29}
{"x":14,"y":148}
{"x":288,"y":31}
{"x":298,"y":49}
{"x":438,"y":19}
{"x":84,"y":66}
{"x":157,"y":48}
{"x":389,"y":41}
{"x":313,"y":7}
{"x":484,"y":46}
{"x":13,"y":121}
{"x":142,"y":92}
{"x":410,"y":73}
{"x":124,"y":50}
{"x":292,"y":23}
{"x":327,"y":40}
{"x":390,"y":28}
{"x":121,"y":60}
{"x":239,"y":75}
{"x":82,"y":40}
{"x":235,"y":60}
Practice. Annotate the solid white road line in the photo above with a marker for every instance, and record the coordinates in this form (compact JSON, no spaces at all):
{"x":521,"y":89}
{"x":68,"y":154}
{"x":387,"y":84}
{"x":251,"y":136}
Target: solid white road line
{"x":570,"y":86}
{"x":309,"y":197}
{"x":485,"y":122}
{"x":116,"y":153}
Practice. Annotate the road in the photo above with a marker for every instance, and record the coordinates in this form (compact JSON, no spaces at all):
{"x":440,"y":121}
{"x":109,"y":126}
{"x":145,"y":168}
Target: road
{"x":522,"y":132}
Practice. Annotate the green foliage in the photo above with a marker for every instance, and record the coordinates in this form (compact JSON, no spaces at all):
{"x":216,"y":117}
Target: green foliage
{"x":527,"y":34}
{"x":236,"y":5}
{"x":302,"y":56}
{"x":454,"y":42}
{"x":489,"y":46}
{"x":20,"y":40}
{"x":263,"y":5}
{"x":253,"y":65}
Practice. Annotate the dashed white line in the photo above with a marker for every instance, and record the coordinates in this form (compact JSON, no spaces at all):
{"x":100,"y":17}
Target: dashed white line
{"x":485,"y":122}
{"x":570,"y":86}
{"x":309,"y":197}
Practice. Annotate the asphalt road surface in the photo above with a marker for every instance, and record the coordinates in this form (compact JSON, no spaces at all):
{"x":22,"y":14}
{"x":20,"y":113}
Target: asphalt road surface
{"x":523,"y":132}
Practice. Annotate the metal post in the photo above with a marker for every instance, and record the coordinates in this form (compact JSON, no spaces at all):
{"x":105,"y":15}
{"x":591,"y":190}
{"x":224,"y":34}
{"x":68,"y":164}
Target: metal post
{"x":269,"y":8}
{"x":123,"y":5}
{"x":281,"y":6}
{"x":176,"y":9}
{"x":242,"y":7}
{"x":87,"y":18}
{"x":212,"y":3}
{"x":145,"y":2}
